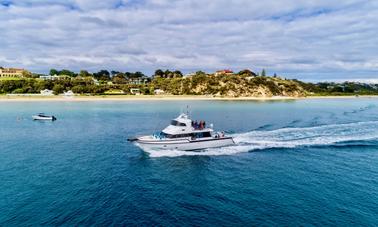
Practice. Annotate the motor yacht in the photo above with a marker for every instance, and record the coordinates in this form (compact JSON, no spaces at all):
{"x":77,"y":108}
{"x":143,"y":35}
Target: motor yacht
{"x":43,"y":117}
{"x":184,"y":134}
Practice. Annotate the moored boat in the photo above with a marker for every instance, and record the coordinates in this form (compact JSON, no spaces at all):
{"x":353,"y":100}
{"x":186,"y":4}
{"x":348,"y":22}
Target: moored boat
{"x":184,"y":134}
{"x":43,"y":117}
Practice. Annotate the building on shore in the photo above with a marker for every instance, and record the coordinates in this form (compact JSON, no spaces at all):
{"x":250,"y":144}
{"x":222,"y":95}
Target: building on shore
{"x":135,"y":91}
{"x":139,"y":80}
{"x":224,"y":72}
{"x":189,"y":75}
{"x":12,"y":72}
{"x":54,"y":77}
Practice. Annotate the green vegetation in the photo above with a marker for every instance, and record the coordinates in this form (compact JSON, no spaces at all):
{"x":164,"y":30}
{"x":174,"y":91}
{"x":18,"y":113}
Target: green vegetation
{"x":242,"y":84}
{"x":10,"y":78}
{"x":339,"y":89}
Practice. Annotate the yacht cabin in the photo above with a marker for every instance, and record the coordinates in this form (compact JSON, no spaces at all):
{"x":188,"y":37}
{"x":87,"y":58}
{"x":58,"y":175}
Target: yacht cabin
{"x":182,"y":127}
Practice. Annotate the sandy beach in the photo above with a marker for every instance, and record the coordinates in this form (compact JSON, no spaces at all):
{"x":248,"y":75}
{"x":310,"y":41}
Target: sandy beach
{"x":23,"y":98}
{"x":6,"y":98}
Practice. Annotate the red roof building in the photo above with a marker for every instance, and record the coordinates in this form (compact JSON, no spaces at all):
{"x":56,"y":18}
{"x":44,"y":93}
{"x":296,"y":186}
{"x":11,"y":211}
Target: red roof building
{"x":224,"y":72}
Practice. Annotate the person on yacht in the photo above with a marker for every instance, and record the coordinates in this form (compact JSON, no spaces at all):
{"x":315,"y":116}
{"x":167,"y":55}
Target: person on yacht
{"x":198,"y":125}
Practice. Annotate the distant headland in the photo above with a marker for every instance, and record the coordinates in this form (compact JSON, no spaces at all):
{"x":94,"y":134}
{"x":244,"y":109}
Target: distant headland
{"x":222,"y":84}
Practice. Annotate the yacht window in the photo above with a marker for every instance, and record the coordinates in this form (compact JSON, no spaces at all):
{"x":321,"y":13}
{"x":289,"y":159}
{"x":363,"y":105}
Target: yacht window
{"x":206,"y":134}
{"x":176,"y":123}
{"x":181,"y":136}
{"x":201,"y":134}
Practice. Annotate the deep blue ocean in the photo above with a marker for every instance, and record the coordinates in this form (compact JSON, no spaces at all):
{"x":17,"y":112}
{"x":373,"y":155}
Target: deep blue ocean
{"x":296,"y":163}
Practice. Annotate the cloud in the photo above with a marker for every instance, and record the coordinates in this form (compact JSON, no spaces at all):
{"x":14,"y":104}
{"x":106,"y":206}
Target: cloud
{"x":90,"y":5}
{"x":294,"y":38}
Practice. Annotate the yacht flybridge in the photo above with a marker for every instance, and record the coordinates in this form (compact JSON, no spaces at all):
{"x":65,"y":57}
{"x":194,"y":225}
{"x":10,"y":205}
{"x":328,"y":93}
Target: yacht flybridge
{"x":184,"y":134}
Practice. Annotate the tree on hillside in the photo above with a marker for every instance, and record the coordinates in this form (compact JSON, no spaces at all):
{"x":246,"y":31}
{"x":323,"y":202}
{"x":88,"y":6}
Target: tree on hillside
{"x":168,"y":74}
{"x":79,"y":89}
{"x":263,"y":73}
{"x":84,"y":73}
{"x":200,"y":73}
{"x":53,"y":72}
{"x":66,"y":72}
{"x":177,"y":74}
{"x":120,"y":78}
{"x":127,"y":74}
{"x":138,"y":74}
{"x":159,"y":73}
{"x":247,"y":72}
{"x":27,"y":74}
{"x":58,"y":89}
{"x":114,"y":73}
{"x":102,"y":75}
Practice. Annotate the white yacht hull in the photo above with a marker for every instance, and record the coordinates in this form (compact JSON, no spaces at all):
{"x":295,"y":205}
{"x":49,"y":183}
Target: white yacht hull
{"x":44,"y":118}
{"x":186,"y":144}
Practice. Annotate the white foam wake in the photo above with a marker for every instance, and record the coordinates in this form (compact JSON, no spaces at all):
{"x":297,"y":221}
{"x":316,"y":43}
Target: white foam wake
{"x":287,"y":138}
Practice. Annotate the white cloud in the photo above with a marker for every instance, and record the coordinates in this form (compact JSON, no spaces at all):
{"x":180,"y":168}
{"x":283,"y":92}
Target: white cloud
{"x":90,"y":4}
{"x":294,"y":37}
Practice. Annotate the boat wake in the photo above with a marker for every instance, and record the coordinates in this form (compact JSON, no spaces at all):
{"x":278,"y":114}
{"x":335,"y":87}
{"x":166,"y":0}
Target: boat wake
{"x":326,"y":135}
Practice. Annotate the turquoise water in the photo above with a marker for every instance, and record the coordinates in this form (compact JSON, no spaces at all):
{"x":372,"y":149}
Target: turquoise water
{"x":305,"y":162}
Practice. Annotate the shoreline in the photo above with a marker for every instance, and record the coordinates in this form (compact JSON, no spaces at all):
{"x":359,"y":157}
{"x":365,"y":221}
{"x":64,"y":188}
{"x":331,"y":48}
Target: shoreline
{"x":6,"y":98}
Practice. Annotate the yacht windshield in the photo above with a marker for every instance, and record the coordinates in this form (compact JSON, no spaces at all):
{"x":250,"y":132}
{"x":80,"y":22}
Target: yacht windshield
{"x":176,"y":123}
{"x":162,"y":135}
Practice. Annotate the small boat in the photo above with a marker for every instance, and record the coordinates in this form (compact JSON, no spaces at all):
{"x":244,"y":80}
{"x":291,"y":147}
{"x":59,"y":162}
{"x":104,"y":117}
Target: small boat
{"x":43,"y":117}
{"x":183,"y":134}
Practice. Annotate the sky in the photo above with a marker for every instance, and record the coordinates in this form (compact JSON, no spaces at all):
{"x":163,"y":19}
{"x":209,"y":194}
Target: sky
{"x":312,"y":40}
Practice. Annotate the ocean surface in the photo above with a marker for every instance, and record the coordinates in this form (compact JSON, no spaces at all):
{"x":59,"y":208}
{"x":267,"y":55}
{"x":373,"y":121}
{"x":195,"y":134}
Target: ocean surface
{"x":296,"y":163}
